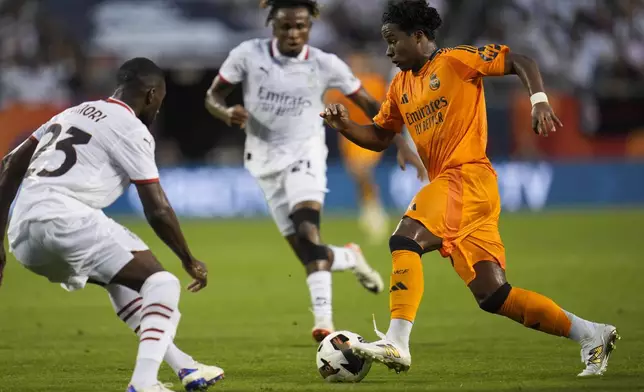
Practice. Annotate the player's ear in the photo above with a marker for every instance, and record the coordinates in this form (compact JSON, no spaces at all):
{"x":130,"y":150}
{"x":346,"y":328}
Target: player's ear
{"x":149,"y":97}
{"x":418,"y":35}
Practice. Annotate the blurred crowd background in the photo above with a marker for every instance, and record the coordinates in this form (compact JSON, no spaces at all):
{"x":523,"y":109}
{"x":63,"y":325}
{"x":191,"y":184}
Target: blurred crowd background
{"x":54,"y":53}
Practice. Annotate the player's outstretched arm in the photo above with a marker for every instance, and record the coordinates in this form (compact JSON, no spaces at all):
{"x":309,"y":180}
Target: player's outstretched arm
{"x":405,"y":155}
{"x":216,"y":104}
{"x":370,"y":137}
{"x":12,"y":171}
{"x":164,"y":222}
{"x":544,"y":119}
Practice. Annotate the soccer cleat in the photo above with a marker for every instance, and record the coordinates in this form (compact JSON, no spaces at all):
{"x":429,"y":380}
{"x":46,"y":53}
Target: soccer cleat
{"x":368,"y":277}
{"x":158,"y":387}
{"x":201,"y":377}
{"x":384,"y":351}
{"x":596,"y":350}
{"x":323,"y":327}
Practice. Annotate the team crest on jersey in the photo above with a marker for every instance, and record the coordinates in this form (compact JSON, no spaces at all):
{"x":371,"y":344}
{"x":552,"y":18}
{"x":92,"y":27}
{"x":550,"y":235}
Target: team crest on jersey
{"x":434,"y":82}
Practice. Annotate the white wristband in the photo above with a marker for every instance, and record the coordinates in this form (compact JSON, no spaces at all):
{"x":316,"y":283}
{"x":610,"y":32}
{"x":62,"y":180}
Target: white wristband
{"x":538,"y":98}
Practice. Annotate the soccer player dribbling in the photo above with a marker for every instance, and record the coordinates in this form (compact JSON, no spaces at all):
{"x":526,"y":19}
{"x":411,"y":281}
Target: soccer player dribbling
{"x":439,"y":96}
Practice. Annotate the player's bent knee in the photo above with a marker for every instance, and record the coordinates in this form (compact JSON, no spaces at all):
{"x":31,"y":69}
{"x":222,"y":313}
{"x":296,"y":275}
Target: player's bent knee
{"x":162,"y":279}
{"x":399,"y":242}
{"x":494,"y":302}
{"x":305,"y":218}
{"x":307,"y":224}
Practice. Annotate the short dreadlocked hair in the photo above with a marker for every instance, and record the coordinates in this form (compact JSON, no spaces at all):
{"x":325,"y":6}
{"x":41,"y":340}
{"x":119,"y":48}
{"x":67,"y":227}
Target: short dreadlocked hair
{"x":412,"y":16}
{"x":275,"y":5}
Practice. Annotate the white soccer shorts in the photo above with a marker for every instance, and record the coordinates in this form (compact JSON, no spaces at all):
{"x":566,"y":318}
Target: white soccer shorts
{"x":72,"y":251}
{"x":304,"y":180}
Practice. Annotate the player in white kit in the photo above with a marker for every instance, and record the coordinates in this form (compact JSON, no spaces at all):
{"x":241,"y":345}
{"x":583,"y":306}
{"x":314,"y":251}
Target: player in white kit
{"x":71,"y":168}
{"x":284,"y":81}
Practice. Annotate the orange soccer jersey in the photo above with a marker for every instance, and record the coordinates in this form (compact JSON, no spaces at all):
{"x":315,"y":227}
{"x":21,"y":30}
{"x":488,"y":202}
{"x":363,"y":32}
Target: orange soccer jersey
{"x":376,"y":86}
{"x":443,"y":107}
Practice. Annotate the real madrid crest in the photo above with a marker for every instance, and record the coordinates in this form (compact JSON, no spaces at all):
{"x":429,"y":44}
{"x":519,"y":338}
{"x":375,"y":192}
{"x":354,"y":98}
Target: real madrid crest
{"x":434,"y":82}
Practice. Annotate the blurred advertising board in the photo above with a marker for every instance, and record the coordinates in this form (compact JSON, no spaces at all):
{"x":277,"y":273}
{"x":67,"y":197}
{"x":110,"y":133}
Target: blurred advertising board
{"x":215,"y":192}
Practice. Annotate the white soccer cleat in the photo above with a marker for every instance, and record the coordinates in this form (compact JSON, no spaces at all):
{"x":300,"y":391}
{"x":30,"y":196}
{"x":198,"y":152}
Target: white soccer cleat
{"x":158,"y":387}
{"x":323,"y":327}
{"x":201,"y":377}
{"x":368,"y":277}
{"x":596,"y":350}
{"x":384,"y":351}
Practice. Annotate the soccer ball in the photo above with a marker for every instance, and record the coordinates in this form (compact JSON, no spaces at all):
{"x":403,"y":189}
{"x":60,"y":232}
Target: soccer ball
{"x":337,"y":363}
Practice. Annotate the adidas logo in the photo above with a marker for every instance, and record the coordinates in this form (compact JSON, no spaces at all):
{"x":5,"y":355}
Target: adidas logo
{"x":404,"y":98}
{"x":596,"y":355}
{"x":390,"y":351}
{"x":398,"y":286}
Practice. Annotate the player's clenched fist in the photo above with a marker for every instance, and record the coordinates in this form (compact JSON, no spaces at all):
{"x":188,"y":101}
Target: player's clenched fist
{"x":237,"y":115}
{"x":544,"y":119}
{"x":336,"y":115}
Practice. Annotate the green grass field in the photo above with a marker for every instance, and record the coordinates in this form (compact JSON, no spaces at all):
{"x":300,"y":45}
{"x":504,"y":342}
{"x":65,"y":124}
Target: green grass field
{"x":253,"y":319}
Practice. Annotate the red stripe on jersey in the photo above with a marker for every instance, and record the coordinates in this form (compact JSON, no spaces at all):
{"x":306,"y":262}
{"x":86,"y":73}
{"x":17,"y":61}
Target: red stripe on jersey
{"x":121,"y":103}
{"x":224,"y":79}
{"x":144,"y":339}
{"x":356,"y":91}
{"x":126,"y":307}
{"x":306,"y":56}
{"x":144,"y":182}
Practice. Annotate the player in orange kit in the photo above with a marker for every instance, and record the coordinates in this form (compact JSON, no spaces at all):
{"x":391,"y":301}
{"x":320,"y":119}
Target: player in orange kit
{"x":361,"y":162}
{"x":439,"y":96}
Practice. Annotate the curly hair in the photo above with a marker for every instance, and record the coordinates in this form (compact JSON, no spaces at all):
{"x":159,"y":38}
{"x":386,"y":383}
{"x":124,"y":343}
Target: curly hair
{"x":412,"y":16}
{"x":275,"y":5}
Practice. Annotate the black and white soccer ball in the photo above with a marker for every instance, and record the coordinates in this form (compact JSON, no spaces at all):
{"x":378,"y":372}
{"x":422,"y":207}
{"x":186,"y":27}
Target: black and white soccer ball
{"x":337,"y":363}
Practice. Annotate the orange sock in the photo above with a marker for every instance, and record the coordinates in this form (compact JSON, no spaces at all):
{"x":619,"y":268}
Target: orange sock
{"x":535,"y":311}
{"x":407,"y":285}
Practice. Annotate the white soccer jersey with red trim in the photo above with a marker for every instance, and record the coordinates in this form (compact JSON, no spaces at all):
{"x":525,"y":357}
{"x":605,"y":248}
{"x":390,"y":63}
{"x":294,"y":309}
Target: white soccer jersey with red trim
{"x":87,"y":156}
{"x":284,"y":98}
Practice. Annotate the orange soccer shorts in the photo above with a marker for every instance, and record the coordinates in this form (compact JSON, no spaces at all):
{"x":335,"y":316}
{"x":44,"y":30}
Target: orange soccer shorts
{"x":461,"y":206}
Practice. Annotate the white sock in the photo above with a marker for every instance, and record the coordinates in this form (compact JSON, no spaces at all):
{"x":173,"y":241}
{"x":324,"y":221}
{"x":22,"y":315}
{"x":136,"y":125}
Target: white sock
{"x":159,"y":320}
{"x":320,"y":287}
{"x":178,"y":360}
{"x":399,"y":332}
{"x":580,"y":329}
{"x":127,"y":305}
{"x":343,"y":258}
